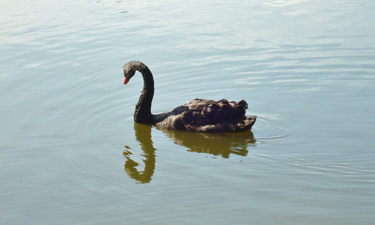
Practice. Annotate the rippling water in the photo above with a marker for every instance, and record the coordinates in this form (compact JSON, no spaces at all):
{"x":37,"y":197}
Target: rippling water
{"x":70,"y":152}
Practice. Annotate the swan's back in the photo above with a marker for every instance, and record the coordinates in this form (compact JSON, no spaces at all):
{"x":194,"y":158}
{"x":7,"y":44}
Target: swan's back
{"x":203,"y":115}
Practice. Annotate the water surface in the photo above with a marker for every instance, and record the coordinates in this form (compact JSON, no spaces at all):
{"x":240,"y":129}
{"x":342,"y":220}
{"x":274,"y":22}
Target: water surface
{"x":70,"y":152}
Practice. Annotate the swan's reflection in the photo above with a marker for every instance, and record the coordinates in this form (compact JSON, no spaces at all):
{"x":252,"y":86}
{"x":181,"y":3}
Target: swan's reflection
{"x":143,"y":135}
{"x":222,"y":144}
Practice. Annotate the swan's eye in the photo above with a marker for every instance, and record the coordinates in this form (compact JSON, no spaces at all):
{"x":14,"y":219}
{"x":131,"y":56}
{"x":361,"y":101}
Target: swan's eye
{"x":130,"y":73}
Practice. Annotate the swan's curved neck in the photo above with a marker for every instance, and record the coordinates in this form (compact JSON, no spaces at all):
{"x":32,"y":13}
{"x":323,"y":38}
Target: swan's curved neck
{"x":143,"y":108}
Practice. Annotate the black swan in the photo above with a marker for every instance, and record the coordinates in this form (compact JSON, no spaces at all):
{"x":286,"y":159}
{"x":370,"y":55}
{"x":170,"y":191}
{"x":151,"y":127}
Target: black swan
{"x":199,"y":115}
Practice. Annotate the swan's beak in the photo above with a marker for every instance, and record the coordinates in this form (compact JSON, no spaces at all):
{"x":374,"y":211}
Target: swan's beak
{"x":125,"y":81}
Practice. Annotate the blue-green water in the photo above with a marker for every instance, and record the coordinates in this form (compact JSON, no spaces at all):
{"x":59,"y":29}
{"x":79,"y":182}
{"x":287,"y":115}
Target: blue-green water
{"x":70,"y":152}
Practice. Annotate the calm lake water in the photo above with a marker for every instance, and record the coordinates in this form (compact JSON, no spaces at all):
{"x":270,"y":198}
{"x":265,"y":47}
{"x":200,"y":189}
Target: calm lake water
{"x":70,"y":152}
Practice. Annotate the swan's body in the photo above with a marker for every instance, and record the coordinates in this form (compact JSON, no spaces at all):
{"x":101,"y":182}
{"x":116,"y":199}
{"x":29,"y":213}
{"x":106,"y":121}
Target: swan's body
{"x":197,"y":115}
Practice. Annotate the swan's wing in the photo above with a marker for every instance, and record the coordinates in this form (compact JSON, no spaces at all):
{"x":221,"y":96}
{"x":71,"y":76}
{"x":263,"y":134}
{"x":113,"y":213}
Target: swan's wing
{"x":233,"y":125}
{"x":207,"y":116}
{"x":216,"y":111}
{"x":198,"y":104}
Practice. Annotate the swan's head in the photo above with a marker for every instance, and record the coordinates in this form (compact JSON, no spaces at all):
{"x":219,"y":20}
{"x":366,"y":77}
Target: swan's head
{"x":129,"y":72}
{"x":130,"y":68}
